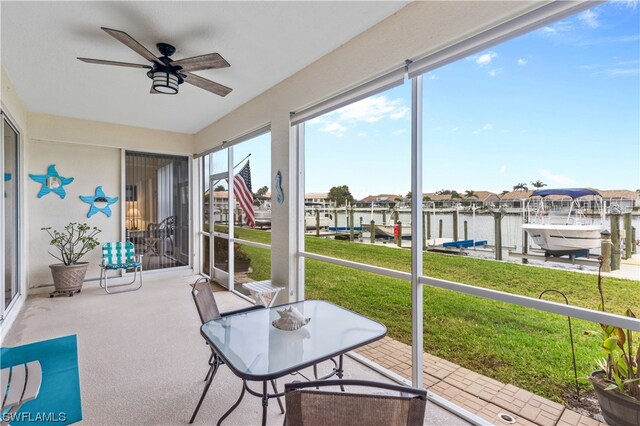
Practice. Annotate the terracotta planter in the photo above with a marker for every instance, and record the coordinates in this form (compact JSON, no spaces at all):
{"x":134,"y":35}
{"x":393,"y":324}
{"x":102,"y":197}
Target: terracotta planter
{"x":68,"y":278}
{"x":617,"y":408}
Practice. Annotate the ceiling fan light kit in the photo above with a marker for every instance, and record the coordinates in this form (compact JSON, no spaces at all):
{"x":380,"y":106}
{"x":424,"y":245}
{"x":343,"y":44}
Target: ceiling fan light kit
{"x":165,"y":73}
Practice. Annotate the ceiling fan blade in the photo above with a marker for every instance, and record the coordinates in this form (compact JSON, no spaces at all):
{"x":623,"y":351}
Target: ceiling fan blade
{"x":202,"y":62}
{"x":131,"y":43}
{"x":119,"y":64}
{"x":205,"y":84}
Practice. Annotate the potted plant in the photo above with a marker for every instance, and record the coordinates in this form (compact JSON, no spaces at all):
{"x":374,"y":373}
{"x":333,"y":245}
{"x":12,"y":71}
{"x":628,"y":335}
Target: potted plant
{"x":73,"y":242}
{"x":617,"y":382}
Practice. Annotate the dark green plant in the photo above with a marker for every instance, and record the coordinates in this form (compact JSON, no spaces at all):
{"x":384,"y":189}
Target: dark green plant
{"x":221,"y":248}
{"x":73,"y":242}
{"x":622,"y":363}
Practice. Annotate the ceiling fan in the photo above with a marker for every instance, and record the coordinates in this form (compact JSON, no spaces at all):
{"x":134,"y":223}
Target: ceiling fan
{"x":166,"y":73}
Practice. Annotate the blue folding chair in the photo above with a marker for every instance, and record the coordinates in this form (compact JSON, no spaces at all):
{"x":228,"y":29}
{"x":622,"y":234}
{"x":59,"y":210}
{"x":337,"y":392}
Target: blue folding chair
{"x":120,"y":255}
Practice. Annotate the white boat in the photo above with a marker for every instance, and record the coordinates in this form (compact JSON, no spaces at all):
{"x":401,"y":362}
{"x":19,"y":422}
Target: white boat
{"x":311,"y":221}
{"x":561,"y":230}
{"x":262,"y":215}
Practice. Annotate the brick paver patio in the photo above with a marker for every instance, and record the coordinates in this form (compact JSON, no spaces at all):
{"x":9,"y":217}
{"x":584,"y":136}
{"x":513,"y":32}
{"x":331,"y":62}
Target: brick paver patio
{"x":474,"y":392}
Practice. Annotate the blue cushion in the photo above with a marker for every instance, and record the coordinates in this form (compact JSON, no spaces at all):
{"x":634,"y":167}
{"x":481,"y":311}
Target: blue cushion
{"x":128,"y":265}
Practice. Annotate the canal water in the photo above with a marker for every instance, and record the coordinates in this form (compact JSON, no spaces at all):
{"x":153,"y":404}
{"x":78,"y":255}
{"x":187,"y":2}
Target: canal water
{"x":480,"y":226}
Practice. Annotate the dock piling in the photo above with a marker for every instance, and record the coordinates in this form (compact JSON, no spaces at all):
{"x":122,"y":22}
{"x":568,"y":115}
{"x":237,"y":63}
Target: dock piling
{"x":372,"y":231}
{"x":440,"y":229}
{"x":399,"y":237}
{"x":428,"y":225}
{"x":615,"y":241}
{"x":456,"y":216}
{"x":497,"y":218}
{"x":605,"y":250}
{"x":628,"y":236}
{"x":424,"y":233}
{"x":466,"y":233}
{"x":317,"y":222}
{"x":351,"y":224}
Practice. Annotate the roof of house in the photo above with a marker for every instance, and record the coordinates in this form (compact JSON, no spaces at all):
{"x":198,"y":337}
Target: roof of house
{"x":321,"y":195}
{"x":380,"y":197}
{"x":478,"y":195}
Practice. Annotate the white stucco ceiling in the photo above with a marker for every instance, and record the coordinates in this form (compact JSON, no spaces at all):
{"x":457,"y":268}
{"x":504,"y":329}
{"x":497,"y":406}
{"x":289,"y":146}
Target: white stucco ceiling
{"x":265,"y":42}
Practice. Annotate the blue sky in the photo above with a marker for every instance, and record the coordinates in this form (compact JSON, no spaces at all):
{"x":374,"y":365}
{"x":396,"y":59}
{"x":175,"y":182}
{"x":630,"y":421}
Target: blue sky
{"x":560,"y":105}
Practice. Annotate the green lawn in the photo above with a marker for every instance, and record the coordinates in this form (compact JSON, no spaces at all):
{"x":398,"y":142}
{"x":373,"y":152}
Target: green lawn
{"x":528,"y":348}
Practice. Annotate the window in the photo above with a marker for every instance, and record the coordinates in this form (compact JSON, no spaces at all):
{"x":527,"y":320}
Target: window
{"x":241,"y":237}
{"x":10,"y":212}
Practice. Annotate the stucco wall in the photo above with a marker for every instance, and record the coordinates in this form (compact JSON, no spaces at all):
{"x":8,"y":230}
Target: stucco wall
{"x":90,"y":166}
{"x":90,"y":152}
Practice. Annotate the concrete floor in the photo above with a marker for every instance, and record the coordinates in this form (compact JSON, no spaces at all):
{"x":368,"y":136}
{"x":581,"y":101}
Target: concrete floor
{"x":143,"y":361}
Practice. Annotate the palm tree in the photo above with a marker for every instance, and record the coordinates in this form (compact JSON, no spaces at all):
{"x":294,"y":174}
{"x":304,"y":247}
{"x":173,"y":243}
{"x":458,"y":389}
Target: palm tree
{"x":469,"y":193}
{"x":538,"y":184}
{"x":521,"y":187}
{"x":455,"y":194}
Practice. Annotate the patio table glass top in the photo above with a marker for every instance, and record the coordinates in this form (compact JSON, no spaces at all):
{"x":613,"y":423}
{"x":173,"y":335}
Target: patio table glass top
{"x":255,"y":350}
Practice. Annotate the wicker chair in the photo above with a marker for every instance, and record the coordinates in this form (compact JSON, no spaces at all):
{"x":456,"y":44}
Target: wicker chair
{"x":320,"y":408}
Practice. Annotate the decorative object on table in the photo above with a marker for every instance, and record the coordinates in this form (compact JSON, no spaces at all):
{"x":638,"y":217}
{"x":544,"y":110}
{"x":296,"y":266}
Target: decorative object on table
{"x":279,"y":192}
{"x":59,"y":396}
{"x":290,"y":319}
{"x":72,"y":243}
{"x":51,"y":182}
{"x":120,"y":255}
{"x":617,"y":383}
{"x":99,"y":202}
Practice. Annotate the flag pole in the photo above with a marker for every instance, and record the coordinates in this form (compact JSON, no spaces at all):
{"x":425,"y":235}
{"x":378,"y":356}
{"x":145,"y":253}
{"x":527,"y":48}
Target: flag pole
{"x":234,"y":167}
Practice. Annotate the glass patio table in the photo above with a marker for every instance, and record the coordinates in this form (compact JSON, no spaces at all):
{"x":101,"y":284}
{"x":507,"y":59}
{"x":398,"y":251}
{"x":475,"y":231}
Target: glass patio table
{"x":255,"y":350}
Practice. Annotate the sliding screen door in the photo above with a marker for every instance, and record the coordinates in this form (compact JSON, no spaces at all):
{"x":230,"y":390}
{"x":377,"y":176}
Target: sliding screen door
{"x":157,"y":208}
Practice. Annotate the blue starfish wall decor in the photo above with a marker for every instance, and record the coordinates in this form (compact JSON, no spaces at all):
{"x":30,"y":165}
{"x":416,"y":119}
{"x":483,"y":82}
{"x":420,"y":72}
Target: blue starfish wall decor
{"x":7,"y":176}
{"x":51,"y":182}
{"x":97,"y":198}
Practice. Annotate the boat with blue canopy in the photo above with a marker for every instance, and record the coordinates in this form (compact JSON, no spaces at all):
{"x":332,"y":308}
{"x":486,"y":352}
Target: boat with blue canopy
{"x":565,"y":221}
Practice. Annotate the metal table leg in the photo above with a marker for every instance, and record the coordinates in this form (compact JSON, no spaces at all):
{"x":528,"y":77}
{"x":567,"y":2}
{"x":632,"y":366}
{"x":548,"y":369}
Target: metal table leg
{"x":233,"y":407}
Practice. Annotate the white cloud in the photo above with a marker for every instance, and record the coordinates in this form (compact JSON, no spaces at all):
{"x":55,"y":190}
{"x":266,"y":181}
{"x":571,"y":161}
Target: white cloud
{"x":589,"y":18}
{"x":503,"y":169}
{"x":494,"y":72}
{"x":620,"y":72}
{"x":486,"y":58}
{"x":369,"y":110}
{"x":431,"y":76}
{"x":485,"y":128}
{"x":522,"y":61}
{"x":334,"y":128}
{"x":399,"y":131}
{"x":557,"y":28}
{"x":455,"y":129}
{"x":373,"y":109}
{"x":362,"y":134}
{"x":554,"y":178}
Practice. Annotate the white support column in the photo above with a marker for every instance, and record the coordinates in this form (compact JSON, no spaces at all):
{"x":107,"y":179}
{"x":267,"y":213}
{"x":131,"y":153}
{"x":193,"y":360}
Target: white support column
{"x":417,"y":346}
{"x":283,"y":222}
{"x":298,"y":142}
{"x":231,"y":215}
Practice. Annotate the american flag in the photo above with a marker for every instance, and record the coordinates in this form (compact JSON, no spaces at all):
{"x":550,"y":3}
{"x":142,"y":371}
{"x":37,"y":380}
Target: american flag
{"x":242,"y":192}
